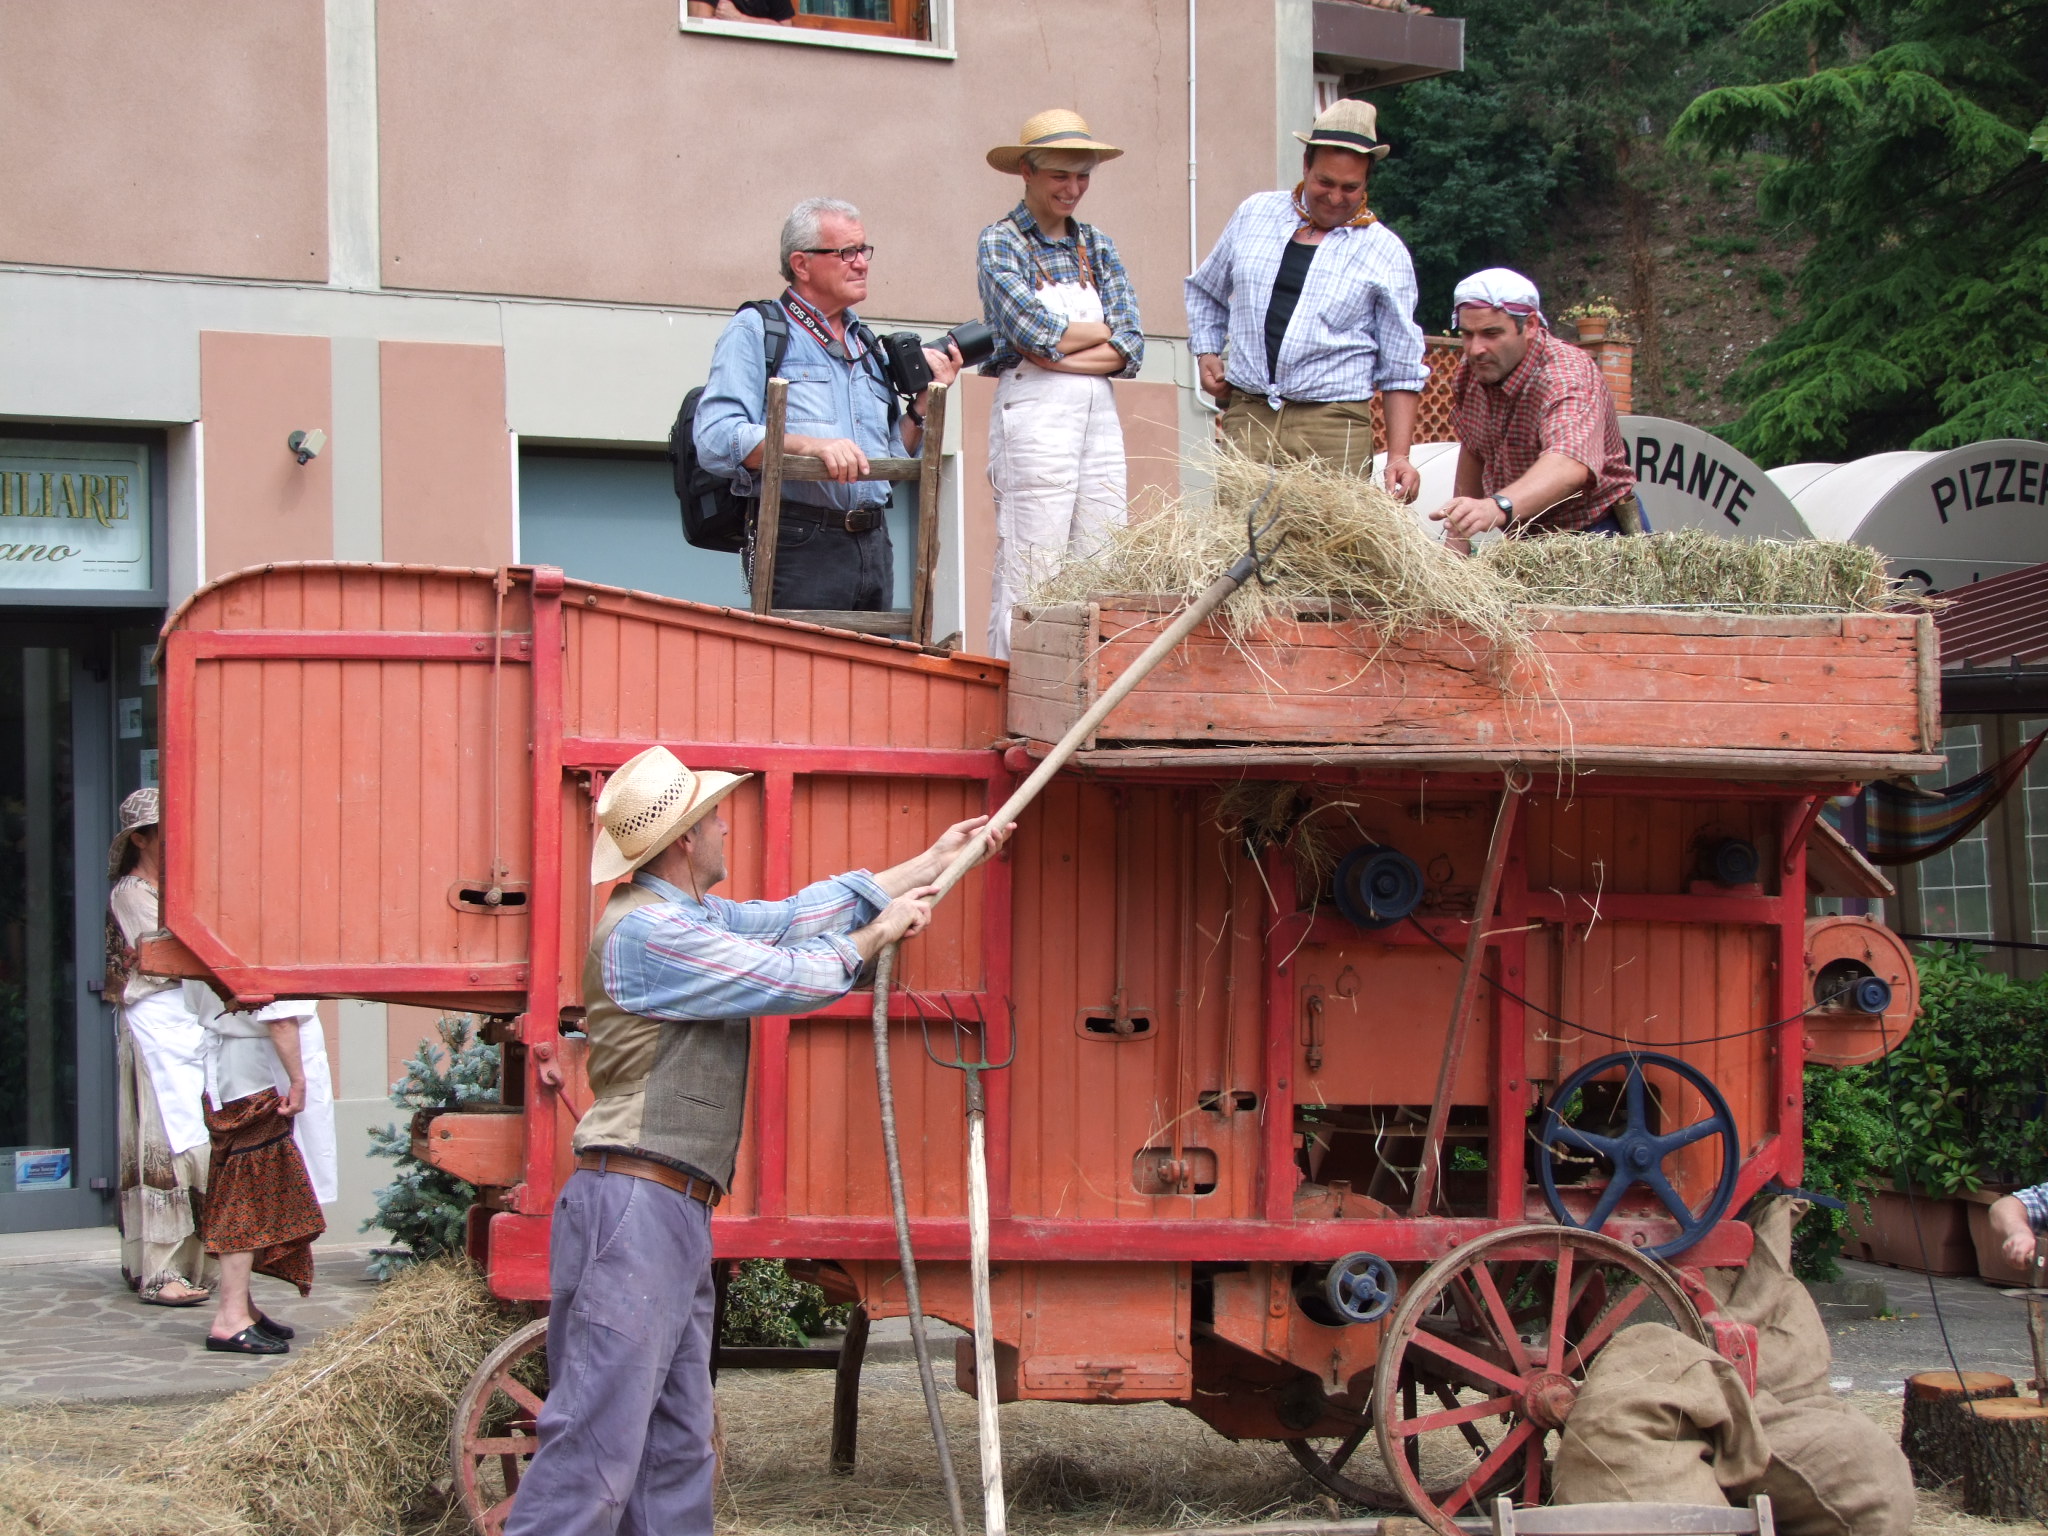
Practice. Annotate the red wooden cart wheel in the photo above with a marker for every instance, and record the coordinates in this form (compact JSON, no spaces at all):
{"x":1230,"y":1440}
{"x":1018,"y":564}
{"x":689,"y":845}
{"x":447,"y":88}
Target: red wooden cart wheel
{"x":1348,"y":1468}
{"x":1500,"y":1332}
{"x":494,"y":1437}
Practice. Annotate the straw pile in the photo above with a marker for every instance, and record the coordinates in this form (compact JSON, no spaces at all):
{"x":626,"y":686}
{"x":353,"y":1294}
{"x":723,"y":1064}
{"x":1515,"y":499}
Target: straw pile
{"x":1350,"y":545}
{"x":349,"y":1438}
{"x":1274,"y":813}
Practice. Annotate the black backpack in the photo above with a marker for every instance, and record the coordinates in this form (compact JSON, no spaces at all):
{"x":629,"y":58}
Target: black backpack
{"x":714,"y":517}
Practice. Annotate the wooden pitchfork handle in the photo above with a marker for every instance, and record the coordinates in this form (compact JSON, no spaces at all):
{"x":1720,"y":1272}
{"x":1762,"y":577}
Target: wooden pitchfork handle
{"x":1212,"y":597}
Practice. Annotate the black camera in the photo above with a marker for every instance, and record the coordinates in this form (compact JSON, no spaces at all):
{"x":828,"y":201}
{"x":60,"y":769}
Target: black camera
{"x":903,"y":354}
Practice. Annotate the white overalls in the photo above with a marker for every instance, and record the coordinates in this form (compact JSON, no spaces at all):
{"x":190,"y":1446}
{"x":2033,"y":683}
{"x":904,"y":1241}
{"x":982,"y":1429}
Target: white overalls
{"x":1056,"y":460}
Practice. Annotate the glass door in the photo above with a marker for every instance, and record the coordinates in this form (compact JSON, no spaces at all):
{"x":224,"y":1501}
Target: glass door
{"x":56,"y":1035}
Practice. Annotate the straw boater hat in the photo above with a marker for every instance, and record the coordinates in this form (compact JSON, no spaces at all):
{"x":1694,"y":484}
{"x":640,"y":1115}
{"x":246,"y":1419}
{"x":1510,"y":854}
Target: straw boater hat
{"x":1352,"y":125}
{"x":139,"y":810}
{"x":650,"y":802}
{"x":1056,"y":129}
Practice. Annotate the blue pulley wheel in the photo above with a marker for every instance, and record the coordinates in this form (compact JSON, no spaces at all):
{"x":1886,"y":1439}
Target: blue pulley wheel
{"x":1731,"y":861}
{"x":1361,"y":1288}
{"x":1376,"y":887}
{"x":1870,"y":994}
{"x":1634,"y":1154}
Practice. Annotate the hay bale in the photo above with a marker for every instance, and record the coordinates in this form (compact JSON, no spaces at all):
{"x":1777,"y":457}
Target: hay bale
{"x":351,"y":1436}
{"x":1691,"y":568}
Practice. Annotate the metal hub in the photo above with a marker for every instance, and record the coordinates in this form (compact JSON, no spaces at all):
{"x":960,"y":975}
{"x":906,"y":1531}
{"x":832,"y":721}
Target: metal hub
{"x":1548,"y":1398}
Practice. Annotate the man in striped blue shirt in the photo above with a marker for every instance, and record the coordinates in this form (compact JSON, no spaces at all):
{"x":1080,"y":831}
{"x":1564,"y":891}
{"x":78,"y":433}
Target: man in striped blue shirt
{"x":2016,"y":1218}
{"x":1306,"y":308}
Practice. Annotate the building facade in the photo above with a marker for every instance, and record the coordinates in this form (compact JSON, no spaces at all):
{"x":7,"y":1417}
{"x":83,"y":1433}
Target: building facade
{"x":477,"y":252}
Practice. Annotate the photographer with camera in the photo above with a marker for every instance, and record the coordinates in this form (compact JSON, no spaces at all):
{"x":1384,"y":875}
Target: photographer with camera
{"x":1065,"y":316}
{"x":833,"y":548}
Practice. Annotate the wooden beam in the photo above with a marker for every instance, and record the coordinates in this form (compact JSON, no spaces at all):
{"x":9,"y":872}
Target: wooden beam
{"x":768,"y":520}
{"x":930,"y":463}
{"x":801,"y":466}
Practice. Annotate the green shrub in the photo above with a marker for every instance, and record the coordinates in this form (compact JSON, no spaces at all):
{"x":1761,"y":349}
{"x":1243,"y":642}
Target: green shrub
{"x":766,"y":1307}
{"x":1847,"y":1135}
{"x":422,"y":1207}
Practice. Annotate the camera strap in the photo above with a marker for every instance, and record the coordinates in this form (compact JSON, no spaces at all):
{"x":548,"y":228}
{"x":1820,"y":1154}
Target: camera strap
{"x":864,"y":350}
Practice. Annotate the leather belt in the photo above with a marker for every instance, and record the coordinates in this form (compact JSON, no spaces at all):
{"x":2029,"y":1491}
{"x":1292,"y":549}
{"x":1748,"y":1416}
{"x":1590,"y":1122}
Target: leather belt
{"x":859,"y":520}
{"x":655,"y":1173}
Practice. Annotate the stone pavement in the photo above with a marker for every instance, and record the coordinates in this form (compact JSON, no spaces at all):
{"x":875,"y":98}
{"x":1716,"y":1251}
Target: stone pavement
{"x":1986,"y":1328}
{"x":71,"y":1331}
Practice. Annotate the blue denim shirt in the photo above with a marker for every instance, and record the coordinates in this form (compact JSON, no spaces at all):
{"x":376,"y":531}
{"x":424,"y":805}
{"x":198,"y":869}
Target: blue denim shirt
{"x":828,"y":397}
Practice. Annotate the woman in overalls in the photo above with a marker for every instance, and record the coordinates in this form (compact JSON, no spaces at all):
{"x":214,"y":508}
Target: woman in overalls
{"x":1065,"y":318}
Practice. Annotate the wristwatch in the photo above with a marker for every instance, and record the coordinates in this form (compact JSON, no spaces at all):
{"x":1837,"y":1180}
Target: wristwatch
{"x":1507,"y":507}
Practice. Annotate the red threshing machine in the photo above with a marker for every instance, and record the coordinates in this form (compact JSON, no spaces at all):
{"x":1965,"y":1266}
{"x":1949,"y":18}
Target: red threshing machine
{"x":1389,"y":1153}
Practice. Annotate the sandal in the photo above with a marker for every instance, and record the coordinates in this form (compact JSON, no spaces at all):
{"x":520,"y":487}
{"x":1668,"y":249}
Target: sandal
{"x":250,"y":1341}
{"x":276,"y":1330}
{"x":191,"y":1298}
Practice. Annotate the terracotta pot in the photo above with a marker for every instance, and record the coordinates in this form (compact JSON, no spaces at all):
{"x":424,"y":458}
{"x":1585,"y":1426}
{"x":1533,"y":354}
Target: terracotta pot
{"x":1592,"y":328}
{"x":1940,"y":1245}
{"x":1992,"y":1264}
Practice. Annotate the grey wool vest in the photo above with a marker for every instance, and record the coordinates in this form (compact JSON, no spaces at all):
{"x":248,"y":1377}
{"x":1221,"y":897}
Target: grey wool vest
{"x":673,"y":1090}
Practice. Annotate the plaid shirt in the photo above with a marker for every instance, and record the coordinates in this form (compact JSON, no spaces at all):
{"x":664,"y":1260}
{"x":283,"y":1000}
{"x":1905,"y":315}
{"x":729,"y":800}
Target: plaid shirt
{"x":1353,"y":331}
{"x":2035,"y":1201}
{"x":716,"y":959}
{"x":1017,"y":257}
{"x":1554,"y":402}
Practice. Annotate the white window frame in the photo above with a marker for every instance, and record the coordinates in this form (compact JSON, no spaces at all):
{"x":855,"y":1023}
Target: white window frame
{"x":940,"y":47}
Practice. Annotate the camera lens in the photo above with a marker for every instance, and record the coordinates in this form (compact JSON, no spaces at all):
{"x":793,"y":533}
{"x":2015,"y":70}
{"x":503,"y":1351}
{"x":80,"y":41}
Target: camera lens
{"x":974,"y":339}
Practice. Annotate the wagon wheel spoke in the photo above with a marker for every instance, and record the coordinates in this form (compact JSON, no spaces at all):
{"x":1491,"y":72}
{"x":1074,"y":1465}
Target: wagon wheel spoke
{"x":1532,"y":1471}
{"x":504,"y":1445}
{"x":1464,"y":1303}
{"x":1472,"y":1436}
{"x":1666,"y":1145}
{"x":1480,"y":1373}
{"x":1610,"y":1197}
{"x":1560,"y":1307}
{"x":1503,"y":1321}
{"x":1638,"y":1111}
{"x":517,"y":1391}
{"x":1581,"y":1141}
{"x":1457,"y":1413}
{"x":1483,"y":1473}
{"x":1605,"y":1329}
{"x":1660,"y":1186}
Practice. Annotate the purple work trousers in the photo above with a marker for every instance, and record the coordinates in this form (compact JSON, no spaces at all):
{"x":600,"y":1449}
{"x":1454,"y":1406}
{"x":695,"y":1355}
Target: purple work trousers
{"x":625,"y":1437}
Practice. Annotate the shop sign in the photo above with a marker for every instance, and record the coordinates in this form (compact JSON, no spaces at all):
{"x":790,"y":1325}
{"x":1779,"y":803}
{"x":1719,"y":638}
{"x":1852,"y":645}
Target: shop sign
{"x":1688,"y":478}
{"x":42,"y":1168}
{"x":74,"y":517}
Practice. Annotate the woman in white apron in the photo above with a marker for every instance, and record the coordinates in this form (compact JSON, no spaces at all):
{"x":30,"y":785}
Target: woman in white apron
{"x":162,"y":1124}
{"x":1065,"y":318}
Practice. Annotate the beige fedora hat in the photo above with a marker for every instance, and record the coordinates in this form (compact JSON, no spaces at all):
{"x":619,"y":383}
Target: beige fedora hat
{"x":650,"y":802}
{"x":1054,"y":129}
{"x":1352,"y":125}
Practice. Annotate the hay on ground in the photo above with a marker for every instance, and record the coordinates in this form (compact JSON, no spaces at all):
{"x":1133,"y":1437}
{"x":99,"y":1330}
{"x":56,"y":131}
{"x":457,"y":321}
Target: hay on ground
{"x":351,"y":1436}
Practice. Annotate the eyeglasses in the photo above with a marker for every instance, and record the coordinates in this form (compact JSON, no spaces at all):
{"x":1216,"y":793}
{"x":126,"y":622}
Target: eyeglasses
{"x":846,"y":253}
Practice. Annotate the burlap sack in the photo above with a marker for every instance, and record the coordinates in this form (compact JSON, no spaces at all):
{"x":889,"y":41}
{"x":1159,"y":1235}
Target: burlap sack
{"x":1662,"y":1420}
{"x":1832,"y":1471}
{"x":1793,"y":1356}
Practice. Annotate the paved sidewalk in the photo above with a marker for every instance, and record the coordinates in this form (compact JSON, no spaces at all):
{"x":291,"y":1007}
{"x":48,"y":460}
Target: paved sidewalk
{"x":71,"y":1331}
{"x":1986,"y":1328}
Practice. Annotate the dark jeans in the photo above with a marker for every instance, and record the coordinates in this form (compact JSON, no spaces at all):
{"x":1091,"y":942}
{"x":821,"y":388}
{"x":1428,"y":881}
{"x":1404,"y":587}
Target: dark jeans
{"x":817,"y":566}
{"x":1610,"y":525}
{"x":625,"y":1434}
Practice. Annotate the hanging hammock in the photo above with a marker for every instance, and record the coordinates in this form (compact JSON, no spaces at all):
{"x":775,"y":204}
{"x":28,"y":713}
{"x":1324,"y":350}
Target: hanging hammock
{"x":1904,"y":825}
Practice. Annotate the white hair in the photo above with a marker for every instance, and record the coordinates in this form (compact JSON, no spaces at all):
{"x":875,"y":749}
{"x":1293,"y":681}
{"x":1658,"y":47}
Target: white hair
{"x":800,"y":231}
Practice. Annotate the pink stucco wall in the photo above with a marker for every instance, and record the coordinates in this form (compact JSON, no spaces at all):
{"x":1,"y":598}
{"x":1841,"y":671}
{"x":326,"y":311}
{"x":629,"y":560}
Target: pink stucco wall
{"x":165,"y":136}
{"x":261,"y":503}
{"x":447,"y":454}
{"x":596,"y":151}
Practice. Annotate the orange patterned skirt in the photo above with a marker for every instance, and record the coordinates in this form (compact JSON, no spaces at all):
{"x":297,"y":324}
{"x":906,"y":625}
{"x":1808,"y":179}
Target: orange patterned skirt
{"x":259,"y":1199}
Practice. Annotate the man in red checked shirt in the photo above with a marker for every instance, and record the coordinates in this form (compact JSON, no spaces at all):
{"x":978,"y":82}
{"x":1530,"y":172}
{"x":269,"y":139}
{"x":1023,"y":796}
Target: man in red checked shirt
{"x":1540,"y":444}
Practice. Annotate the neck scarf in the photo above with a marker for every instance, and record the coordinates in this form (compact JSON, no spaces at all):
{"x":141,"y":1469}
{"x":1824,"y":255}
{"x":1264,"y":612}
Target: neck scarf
{"x":1358,"y":220}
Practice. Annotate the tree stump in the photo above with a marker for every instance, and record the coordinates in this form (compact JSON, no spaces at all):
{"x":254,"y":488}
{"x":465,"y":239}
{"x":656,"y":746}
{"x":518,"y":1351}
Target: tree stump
{"x":2005,"y":1474}
{"x":1934,"y":1437}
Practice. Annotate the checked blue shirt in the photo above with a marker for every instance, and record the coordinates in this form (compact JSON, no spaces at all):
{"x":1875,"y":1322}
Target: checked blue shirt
{"x":2035,"y":1202}
{"x":717,"y":959}
{"x":1353,"y":331}
{"x":1016,"y":256}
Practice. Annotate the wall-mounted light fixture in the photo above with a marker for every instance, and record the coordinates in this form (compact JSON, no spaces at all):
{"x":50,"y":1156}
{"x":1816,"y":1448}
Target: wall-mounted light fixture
{"x":307,"y":445}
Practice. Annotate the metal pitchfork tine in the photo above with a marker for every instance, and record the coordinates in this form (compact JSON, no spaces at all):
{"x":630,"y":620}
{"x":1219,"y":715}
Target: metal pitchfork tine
{"x":968,"y":1055}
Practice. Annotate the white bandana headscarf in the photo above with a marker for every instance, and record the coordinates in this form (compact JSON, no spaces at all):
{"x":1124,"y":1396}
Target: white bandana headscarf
{"x":1499,"y":288}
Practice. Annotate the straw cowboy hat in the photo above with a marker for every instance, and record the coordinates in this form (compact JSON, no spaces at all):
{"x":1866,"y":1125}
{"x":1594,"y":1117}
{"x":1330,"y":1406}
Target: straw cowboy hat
{"x":139,"y":810}
{"x":650,"y":802}
{"x":1352,"y":125}
{"x":1056,"y":129}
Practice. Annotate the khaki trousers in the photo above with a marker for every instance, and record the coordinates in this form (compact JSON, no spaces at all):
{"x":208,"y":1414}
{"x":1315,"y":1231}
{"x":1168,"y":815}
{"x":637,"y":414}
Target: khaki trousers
{"x":1337,"y":431}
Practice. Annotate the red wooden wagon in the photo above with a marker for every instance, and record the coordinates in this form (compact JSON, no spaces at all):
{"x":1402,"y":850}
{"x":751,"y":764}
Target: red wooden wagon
{"x":1314,"y":1157}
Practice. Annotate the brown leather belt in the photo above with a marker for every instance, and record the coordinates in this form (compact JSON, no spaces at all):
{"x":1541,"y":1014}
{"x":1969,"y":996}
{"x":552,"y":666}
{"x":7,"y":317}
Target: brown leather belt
{"x":655,"y":1173}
